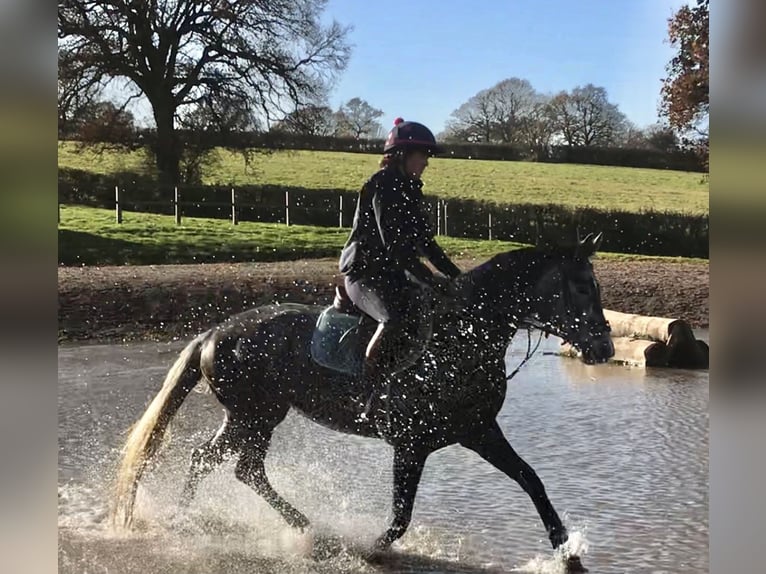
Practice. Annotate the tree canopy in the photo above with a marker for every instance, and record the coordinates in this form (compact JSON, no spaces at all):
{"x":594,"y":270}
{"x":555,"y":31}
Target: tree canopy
{"x":685,"y":91}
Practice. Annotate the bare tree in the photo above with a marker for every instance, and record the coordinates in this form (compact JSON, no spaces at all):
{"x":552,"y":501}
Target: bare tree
{"x":563,"y":119}
{"x":310,"y":120}
{"x":513,"y":101}
{"x":358,"y":118}
{"x":536,"y":129}
{"x":77,"y":94}
{"x":585,"y":117}
{"x":500,"y":114}
{"x":179,"y":53}
{"x":631,"y":136}
{"x":473,"y":121}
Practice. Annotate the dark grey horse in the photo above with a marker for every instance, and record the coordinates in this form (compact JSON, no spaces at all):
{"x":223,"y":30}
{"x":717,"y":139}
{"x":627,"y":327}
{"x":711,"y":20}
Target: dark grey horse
{"x":258,"y":365}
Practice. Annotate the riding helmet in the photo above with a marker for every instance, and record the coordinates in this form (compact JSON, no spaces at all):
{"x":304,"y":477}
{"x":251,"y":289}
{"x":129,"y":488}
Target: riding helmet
{"x":411,"y":135}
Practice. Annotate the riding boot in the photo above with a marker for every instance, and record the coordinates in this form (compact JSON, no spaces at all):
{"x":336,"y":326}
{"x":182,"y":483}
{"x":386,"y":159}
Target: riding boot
{"x":372,"y":372}
{"x":370,"y":380}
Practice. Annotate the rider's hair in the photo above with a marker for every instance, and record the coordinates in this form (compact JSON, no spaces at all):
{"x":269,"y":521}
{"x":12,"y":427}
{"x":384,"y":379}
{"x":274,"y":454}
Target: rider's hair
{"x":393,"y":159}
{"x":396,"y":158}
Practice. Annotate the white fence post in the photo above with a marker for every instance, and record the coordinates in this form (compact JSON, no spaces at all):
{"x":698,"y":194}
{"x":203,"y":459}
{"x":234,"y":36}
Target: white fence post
{"x":117,"y":204}
{"x":176,"y":205}
{"x":234,"y":218}
{"x":287,"y":208}
{"x":489,"y":225}
{"x":340,"y":211}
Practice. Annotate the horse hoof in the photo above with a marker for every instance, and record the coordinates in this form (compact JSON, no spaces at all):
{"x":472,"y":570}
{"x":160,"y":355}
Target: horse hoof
{"x":574,"y":564}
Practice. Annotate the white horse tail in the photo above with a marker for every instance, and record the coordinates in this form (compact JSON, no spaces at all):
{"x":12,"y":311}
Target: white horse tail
{"x":146,"y":435}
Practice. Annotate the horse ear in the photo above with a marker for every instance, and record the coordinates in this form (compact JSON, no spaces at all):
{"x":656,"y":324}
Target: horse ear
{"x":588,"y":245}
{"x":597,"y":241}
{"x":583,"y":245}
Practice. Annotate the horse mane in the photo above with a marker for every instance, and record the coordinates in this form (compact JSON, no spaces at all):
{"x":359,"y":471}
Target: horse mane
{"x":526,"y":258}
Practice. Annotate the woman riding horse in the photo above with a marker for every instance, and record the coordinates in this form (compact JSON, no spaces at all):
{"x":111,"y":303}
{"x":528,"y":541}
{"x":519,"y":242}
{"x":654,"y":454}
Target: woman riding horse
{"x":380,"y":258}
{"x":259,"y":366}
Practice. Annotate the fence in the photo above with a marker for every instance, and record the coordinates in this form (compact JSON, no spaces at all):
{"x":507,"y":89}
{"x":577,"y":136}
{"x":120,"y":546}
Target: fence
{"x":648,"y":233}
{"x":438,"y":209}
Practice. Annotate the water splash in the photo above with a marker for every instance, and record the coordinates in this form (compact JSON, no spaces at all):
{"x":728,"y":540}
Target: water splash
{"x":557,"y":563}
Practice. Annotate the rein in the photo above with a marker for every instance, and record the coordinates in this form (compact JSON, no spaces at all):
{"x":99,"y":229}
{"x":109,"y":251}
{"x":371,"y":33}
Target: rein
{"x":530,"y":352}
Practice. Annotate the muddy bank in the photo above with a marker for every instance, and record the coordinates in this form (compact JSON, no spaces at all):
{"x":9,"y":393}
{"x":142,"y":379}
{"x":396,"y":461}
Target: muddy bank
{"x":168,"y":301}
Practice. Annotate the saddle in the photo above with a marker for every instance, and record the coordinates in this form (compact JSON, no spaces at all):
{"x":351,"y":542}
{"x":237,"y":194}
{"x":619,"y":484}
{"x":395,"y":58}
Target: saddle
{"x":341,"y":335}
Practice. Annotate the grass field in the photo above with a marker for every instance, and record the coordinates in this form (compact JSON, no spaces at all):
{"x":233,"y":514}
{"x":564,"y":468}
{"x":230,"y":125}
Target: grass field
{"x":605,"y":187}
{"x":90,"y":236}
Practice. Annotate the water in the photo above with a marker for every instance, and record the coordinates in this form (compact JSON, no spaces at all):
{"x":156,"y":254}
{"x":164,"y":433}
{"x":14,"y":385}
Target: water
{"x":623,"y":454}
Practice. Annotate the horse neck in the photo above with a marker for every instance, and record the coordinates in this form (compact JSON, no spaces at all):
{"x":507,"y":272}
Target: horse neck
{"x":496,"y":299}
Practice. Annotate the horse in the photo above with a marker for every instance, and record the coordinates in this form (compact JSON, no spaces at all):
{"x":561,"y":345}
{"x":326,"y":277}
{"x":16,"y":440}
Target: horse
{"x":258,"y":365}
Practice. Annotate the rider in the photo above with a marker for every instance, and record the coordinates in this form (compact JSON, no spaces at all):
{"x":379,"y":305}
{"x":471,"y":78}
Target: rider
{"x":380,"y":261}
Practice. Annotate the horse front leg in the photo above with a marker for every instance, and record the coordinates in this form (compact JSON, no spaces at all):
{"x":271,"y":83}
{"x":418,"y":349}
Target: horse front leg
{"x":493,"y":447}
{"x":408,"y":468}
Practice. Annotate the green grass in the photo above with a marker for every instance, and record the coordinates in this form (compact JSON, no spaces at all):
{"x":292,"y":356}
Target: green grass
{"x":604,"y":187}
{"x":90,"y":236}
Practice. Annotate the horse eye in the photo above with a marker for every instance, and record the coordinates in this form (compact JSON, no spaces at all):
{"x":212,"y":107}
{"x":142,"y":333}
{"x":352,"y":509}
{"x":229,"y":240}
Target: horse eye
{"x":582,"y":290}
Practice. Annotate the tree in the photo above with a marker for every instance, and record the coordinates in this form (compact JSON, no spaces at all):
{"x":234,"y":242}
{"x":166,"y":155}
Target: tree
{"x":105,"y":122}
{"x":507,"y":112}
{"x":209,"y":124}
{"x":180,"y":53}
{"x":685,"y":91}
{"x":513,"y":102}
{"x":77,"y":95}
{"x":585,"y":117}
{"x":308,"y":120}
{"x":474,"y":120}
{"x":662,"y":138}
{"x":358,"y":118}
{"x":536,"y":129}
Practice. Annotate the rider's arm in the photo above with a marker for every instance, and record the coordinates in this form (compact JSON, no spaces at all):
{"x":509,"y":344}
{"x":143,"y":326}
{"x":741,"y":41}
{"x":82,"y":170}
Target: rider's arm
{"x":435,"y":254}
{"x":397,"y":219}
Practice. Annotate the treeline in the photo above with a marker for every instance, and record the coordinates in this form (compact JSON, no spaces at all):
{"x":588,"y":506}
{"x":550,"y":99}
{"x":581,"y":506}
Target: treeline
{"x":678,"y":159}
{"x":647,"y":233}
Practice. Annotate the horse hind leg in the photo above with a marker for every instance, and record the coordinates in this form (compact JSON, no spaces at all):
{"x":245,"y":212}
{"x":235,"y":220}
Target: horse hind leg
{"x":207,"y":457}
{"x":251,"y":471}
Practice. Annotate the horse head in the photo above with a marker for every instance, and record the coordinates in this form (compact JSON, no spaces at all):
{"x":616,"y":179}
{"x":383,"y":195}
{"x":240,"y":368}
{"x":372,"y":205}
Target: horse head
{"x":552,"y":289}
{"x":567,"y":300}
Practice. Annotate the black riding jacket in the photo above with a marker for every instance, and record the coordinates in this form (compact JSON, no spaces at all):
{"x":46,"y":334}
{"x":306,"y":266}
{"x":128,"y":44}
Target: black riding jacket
{"x":391,"y":231}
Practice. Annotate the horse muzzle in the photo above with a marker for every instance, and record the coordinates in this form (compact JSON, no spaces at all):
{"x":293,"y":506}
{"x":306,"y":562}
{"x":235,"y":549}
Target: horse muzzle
{"x":598,"y":350}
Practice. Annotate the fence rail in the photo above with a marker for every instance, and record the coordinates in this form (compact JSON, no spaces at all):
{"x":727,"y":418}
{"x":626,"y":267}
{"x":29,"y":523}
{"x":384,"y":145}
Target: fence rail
{"x":438,"y":209}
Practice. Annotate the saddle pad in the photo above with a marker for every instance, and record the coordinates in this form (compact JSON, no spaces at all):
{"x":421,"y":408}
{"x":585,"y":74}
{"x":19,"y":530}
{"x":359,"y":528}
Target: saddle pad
{"x":336,"y":343}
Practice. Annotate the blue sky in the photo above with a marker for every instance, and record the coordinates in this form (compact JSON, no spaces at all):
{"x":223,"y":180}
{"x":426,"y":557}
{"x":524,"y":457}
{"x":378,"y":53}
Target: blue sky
{"x":422,"y":59}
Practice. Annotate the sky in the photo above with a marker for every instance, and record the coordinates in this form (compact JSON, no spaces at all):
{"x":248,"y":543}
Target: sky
{"x":422,"y":59}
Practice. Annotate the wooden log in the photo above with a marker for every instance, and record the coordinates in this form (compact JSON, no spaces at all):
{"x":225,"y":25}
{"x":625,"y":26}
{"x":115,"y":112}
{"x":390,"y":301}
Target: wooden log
{"x":630,"y":351}
{"x":640,"y":326}
{"x":682,"y":349}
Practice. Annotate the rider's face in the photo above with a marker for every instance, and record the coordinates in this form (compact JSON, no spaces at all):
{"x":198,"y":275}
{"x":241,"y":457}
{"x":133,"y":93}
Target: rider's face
{"x":416,"y":163}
